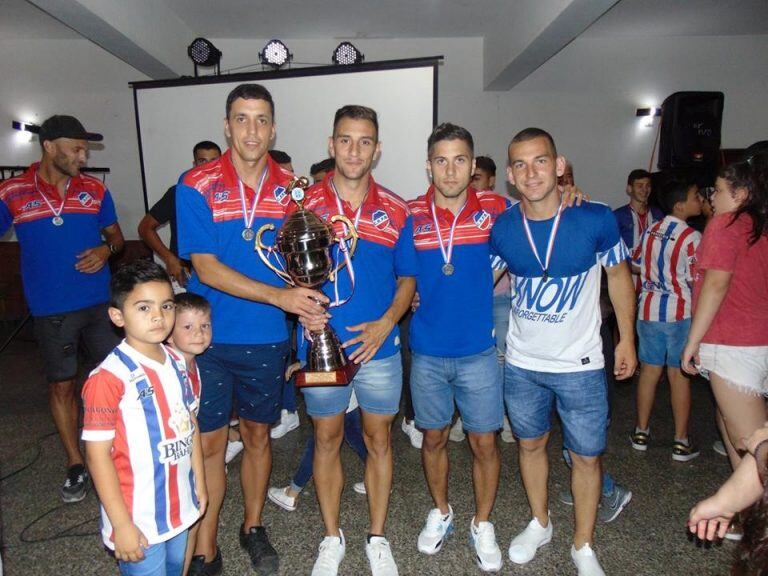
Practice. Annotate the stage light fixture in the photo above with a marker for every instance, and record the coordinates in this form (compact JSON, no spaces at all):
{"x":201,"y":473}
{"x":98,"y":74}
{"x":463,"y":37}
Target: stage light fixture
{"x":649,"y":114}
{"x":25,"y":127}
{"x":204,"y":53}
{"x":346,"y":53}
{"x":275,"y":54}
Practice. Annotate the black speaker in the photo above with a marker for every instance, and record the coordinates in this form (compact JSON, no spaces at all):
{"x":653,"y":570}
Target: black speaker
{"x":690,"y":130}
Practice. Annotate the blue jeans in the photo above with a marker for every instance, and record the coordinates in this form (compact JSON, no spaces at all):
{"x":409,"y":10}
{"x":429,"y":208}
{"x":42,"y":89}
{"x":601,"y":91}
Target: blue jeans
{"x":581,"y":402}
{"x":162,"y":559}
{"x":473,"y":382}
{"x":353,"y":434}
{"x":377,"y":386}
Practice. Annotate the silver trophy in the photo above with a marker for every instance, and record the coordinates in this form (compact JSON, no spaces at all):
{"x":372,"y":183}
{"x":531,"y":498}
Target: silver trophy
{"x":304,"y":242}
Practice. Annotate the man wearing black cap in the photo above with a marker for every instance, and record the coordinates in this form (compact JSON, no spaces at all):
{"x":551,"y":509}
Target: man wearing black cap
{"x":60,"y":217}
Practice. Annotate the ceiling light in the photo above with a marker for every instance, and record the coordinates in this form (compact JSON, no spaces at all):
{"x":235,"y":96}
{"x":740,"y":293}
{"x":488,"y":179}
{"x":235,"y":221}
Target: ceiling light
{"x":204,"y":53}
{"x":275,"y":54}
{"x":346,"y":53}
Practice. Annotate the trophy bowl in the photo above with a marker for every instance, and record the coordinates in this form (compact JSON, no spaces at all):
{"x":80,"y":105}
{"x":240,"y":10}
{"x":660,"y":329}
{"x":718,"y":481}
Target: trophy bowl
{"x":304,"y":242}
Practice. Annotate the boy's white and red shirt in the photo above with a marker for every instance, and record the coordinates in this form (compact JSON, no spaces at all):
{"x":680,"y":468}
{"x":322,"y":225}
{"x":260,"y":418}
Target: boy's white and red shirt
{"x":665,"y":256}
{"x":145,"y":408}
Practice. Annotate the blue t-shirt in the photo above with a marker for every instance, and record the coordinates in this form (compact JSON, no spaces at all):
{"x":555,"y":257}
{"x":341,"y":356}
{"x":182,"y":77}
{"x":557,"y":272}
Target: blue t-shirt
{"x":210,"y":221}
{"x":554,"y":325}
{"x":52,"y":285}
{"x":384,"y":253}
{"x":455,"y":314}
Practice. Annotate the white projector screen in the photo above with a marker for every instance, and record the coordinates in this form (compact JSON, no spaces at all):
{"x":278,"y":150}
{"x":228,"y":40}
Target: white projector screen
{"x":172,"y":116}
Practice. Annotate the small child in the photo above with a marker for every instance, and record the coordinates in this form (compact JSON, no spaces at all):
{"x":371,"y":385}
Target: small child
{"x":191,"y":336}
{"x":140,"y":431}
{"x":664,"y":258}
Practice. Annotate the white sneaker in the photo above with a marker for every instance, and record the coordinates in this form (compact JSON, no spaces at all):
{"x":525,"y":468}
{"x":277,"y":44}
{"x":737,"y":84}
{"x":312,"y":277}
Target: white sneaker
{"x":523,"y":547}
{"x":586,"y":561}
{"x":416,"y":436}
{"x":330,"y":555}
{"x":506,"y":432}
{"x":457,"y":432}
{"x":280,"y":497}
{"x":359,"y":487}
{"x":380,"y":557}
{"x":435,"y":532}
{"x":234,"y":447}
{"x":487,"y":552}
{"x":288,"y":421}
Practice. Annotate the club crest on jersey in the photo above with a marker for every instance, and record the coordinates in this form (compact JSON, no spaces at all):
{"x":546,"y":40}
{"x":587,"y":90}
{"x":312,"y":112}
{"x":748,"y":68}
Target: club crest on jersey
{"x":380,"y":219}
{"x":85,"y":199}
{"x":482,"y":219}
{"x":31,"y":205}
{"x":281,"y":195}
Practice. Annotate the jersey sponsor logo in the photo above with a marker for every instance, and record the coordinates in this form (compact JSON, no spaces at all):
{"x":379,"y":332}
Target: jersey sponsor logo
{"x":146,"y":392}
{"x":548,"y":301}
{"x":31,"y":205}
{"x":482,"y":219}
{"x":281,"y":195}
{"x":85,"y":199}
{"x":380,"y":219}
{"x":423,"y":228}
{"x":221,"y":196}
{"x":172,"y":450}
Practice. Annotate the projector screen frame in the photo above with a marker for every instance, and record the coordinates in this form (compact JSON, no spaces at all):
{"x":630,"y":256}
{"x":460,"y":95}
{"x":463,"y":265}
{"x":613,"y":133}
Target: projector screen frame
{"x":428,"y":61}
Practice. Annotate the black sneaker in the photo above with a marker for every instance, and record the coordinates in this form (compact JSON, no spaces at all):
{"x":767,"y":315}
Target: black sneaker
{"x":76,"y":485}
{"x":264,"y":559}
{"x":199,"y":567}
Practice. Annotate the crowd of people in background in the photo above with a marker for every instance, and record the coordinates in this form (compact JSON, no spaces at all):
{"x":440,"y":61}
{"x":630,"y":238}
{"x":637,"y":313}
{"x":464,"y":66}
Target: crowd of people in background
{"x":490,"y":313}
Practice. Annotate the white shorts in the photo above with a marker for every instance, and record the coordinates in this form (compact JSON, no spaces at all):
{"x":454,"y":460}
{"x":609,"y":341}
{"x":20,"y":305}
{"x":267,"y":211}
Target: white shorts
{"x":742,"y":367}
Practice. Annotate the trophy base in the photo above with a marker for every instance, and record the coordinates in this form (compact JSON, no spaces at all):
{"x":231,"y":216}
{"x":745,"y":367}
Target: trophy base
{"x":339,"y":377}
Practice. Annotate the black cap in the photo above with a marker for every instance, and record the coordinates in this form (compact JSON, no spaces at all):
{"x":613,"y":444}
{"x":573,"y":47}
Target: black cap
{"x":66,"y":127}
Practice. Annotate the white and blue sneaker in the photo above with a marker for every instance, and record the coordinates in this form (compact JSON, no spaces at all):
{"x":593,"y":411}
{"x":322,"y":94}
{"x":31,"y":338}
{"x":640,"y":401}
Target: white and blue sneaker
{"x":436,"y":531}
{"x":487,"y":551}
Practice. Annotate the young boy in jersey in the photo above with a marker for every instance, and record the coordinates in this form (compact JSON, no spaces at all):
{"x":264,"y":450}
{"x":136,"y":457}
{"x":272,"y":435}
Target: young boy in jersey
{"x":663,"y":259}
{"x":142,"y":442}
{"x":191,"y":336}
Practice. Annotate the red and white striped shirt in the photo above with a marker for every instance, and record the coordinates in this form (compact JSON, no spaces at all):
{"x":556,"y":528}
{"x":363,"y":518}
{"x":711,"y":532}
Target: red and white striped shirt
{"x":145,"y":408}
{"x":665,"y":256}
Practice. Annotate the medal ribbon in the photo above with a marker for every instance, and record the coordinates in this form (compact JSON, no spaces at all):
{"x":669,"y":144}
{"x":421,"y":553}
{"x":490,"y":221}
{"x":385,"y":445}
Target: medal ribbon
{"x":550,"y":242}
{"x":447,"y":254}
{"x":47,"y":202}
{"x":345,"y":249}
{"x":249,"y":217}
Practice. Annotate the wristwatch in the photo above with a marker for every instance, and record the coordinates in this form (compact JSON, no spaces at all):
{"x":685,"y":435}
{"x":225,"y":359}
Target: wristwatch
{"x":112,"y":248}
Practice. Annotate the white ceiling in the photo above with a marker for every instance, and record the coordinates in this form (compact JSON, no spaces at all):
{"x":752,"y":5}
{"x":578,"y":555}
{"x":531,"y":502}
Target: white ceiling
{"x":411,"y":18}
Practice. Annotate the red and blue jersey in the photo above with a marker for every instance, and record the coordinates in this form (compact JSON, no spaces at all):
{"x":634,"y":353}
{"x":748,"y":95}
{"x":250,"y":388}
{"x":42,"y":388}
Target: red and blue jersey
{"x":145,"y":408}
{"x":665,"y":257}
{"x":554,"y":321}
{"x":632,"y":226}
{"x":455,"y":314}
{"x":210,"y":221}
{"x":384,"y":253}
{"x":52,"y":285}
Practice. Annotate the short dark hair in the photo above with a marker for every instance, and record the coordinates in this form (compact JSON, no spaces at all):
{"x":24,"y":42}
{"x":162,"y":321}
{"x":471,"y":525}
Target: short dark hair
{"x":190,"y":301}
{"x":322,"y":166}
{"x":279,"y":156}
{"x":532,"y":133}
{"x":673,"y":191}
{"x":250,"y":92}
{"x":448,"y":131}
{"x":356,"y":112}
{"x":637,"y":174}
{"x":131,"y":275}
{"x":486,"y":164}
{"x":206,"y":145}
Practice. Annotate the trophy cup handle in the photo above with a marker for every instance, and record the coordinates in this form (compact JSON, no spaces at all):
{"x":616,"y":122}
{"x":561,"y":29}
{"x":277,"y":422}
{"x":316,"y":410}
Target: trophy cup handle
{"x":260,"y":247}
{"x":351,"y":235}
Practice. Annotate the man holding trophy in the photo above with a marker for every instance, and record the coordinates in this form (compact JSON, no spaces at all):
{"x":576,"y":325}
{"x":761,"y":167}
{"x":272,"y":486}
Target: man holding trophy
{"x":379,"y":288}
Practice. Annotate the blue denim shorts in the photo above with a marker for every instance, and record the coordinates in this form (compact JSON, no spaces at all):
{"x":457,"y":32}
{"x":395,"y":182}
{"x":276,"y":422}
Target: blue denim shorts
{"x":473,"y":382}
{"x":662,"y":343}
{"x":581,"y":400}
{"x":377,"y":386}
{"x":247,"y":376}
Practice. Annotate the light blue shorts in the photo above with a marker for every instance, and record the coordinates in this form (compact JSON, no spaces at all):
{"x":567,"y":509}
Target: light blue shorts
{"x":473,"y":382}
{"x":377,"y":386}
{"x":662,"y":343}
